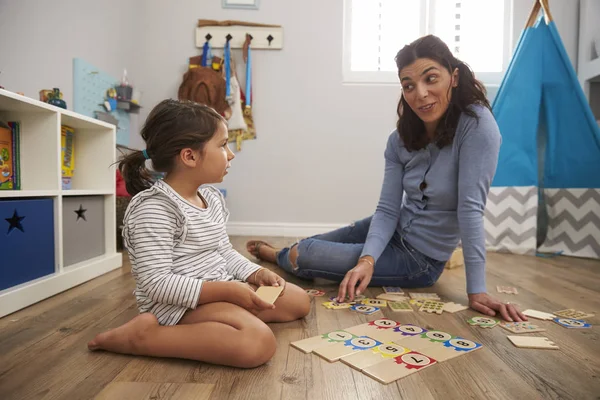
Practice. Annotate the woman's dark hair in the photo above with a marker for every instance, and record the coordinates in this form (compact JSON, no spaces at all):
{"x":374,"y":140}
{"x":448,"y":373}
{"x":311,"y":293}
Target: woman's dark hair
{"x":469,"y":91}
{"x":171,"y":126}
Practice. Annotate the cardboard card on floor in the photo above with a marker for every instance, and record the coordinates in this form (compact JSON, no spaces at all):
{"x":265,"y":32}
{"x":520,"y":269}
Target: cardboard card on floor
{"x":269,"y":293}
{"x":400,"y":306}
{"x":342,"y":349}
{"x":310,"y":344}
{"x":364,"y":309}
{"x":392,"y":297}
{"x":521,"y":327}
{"x":374,"y":302}
{"x":336,"y":306}
{"x":539,"y":315}
{"x":451,"y":348}
{"x":432,"y":306}
{"x":424,"y":340}
{"x":373,"y":356}
{"x":315,"y":292}
{"x":454,"y":307}
{"x":507,"y":289}
{"x":573,"y":314}
{"x":390,"y":370}
{"x":532,"y":342}
{"x":424,"y":296}
{"x":393,"y":289}
{"x":572,"y":323}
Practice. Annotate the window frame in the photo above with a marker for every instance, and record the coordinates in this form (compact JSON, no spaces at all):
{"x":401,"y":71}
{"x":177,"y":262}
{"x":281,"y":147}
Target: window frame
{"x":492,"y":79}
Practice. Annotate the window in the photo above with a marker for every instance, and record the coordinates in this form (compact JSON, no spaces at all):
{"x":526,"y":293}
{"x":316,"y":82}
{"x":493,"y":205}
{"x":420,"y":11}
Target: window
{"x":476,"y":31}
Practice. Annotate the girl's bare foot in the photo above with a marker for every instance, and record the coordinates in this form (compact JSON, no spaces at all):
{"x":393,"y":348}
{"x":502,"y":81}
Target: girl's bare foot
{"x":262,"y":250}
{"x":127,"y":338}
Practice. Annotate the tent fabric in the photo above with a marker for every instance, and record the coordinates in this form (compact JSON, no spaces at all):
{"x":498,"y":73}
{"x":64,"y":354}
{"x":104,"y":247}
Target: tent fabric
{"x":549,"y":162}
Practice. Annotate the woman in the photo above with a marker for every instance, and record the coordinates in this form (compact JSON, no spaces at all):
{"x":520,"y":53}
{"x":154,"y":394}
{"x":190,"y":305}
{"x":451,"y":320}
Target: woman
{"x":441,"y":158}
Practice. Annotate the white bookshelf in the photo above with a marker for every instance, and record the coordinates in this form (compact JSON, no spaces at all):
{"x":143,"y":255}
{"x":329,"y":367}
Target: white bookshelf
{"x":40,"y":156}
{"x":588,"y":68}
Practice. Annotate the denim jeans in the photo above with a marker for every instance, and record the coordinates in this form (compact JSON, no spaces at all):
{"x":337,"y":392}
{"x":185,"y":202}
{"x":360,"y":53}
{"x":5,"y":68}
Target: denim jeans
{"x":331,"y":255}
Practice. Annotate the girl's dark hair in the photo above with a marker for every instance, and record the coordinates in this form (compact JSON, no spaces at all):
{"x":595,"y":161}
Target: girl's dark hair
{"x":469,"y":91}
{"x":171,"y":126}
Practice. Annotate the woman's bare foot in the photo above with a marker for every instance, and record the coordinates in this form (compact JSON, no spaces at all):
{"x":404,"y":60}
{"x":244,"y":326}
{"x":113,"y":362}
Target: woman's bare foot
{"x":262,"y":250}
{"x":126,"y":338}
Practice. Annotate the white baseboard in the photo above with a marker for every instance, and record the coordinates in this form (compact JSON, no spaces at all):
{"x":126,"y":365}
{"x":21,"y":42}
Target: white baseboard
{"x":297,"y":230}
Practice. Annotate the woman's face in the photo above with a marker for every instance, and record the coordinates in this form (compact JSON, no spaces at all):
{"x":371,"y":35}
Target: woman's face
{"x":426,"y":88}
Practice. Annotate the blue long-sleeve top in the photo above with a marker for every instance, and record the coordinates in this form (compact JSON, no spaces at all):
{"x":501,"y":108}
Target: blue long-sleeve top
{"x":435,"y":198}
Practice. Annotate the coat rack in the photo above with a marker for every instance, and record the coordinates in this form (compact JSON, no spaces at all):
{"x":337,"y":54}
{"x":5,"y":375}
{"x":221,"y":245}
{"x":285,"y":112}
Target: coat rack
{"x":263,"y":37}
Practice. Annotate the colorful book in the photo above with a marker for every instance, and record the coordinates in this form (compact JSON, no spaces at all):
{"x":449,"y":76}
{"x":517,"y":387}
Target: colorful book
{"x":67,"y":154}
{"x":6,"y":157}
{"x":16,"y":136}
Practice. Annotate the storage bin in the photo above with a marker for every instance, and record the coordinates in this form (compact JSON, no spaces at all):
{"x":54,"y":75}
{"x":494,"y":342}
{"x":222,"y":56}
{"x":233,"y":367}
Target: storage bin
{"x":83,"y":228}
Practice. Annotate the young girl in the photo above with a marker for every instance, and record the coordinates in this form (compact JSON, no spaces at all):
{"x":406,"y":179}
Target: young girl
{"x":195,"y":293}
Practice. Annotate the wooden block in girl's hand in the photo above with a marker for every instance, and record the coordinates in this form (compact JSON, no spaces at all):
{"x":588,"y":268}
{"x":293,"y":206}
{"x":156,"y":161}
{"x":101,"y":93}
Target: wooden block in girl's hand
{"x":269,"y":293}
{"x":399,"y":367}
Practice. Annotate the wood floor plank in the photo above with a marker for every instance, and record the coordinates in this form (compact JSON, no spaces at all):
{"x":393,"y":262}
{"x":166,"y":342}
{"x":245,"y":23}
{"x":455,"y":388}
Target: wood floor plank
{"x":43,"y":353}
{"x":153,"y":391}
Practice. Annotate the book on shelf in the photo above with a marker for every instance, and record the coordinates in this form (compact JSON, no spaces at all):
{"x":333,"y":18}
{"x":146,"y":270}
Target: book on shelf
{"x":10,"y":150}
{"x":67,"y":155}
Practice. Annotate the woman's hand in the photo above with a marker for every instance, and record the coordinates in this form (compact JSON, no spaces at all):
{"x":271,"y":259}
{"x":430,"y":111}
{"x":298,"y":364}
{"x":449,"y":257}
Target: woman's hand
{"x":243,"y":295}
{"x":265,"y":277}
{"x":363,"y":272}
{"x":487,"y":305}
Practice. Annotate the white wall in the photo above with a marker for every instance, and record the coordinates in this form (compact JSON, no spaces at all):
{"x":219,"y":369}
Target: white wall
{"x":318,"y":158}
{"x":39,"y":39}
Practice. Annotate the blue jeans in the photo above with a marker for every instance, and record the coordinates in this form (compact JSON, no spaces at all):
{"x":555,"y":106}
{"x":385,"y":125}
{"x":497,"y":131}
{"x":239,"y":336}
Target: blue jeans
{"x":332,"y":254}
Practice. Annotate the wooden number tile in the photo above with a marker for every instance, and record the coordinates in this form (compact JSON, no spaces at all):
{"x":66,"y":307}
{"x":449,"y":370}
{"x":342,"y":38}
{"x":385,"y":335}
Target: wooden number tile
{"x":364,"y":309}
{"x":572,"y":323}
{"x":531,"y":342}
{"x":452,"y":348}
{"x":432,"y":306}
{"x":574,"y":314}
{"x":375,"y":302}
{"x":390,"y":370}
{"x":375,"y":355}
{"x":521,"y":327}
{"x":315,"y":292}
{"x":426,"y":339}
{"x":423,"y":296}
{"x":392,"y":297}
{"x":400,"y":306}
{"x":539,"y":315}
{"x":372,"y":327}
{"x":310,"y":344}
{"x":342,"y":349}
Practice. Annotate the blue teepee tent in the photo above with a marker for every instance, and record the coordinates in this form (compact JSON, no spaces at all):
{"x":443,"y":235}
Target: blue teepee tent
{"x":546,"y":193}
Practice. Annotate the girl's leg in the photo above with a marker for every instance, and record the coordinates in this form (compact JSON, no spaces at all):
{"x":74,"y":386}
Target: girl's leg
{"x":218,"y":333}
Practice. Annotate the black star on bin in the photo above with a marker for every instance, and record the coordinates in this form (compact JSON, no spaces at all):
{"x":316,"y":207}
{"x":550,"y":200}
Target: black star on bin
{"x":15,"y":222}
{"x":81,"y":213}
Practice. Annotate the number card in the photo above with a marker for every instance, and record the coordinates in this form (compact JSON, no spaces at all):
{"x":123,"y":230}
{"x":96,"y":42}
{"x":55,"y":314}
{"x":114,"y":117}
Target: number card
{"x":572,"y":323}
{"x":432,"y":306}
{"x":392,"y":289}
{"x":451,"y":348}
{"x":400,"y":306}
{"x":315,"y":292}
{"x":424,"y":340}
{"x":342,"y":349}
{"x":573,"y":314}
{"x":521,"y":327}
{"x":310,"y":344}
{"x":376,"y":355}
{"x":399,"y":367}
{"x":336,"y":306}
{"x":483,"y":322}
{"x":374,"y":302}
{"x":364,"y":309}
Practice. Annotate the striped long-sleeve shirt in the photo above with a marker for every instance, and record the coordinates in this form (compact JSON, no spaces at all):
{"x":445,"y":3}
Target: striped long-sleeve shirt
{"x":175,"y":246}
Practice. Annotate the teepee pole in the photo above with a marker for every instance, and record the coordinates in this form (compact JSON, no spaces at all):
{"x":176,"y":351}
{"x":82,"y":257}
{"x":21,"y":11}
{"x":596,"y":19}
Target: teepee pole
{"x":536,"y":9}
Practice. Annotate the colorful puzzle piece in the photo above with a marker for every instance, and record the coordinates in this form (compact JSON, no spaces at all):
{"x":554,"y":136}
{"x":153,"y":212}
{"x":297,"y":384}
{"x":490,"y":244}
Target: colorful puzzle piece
{"x":357,"y":299}
{"x":342,"y":349}
{"x":573,"y":314}
{"x":572,"y":323}
{"x":416,"y":302}
{"x":454,"y":307}
{"x":400,"y":306}
{"x":336,"y":306}
{"x":310,"y":344}
{"x":392,"y":289}
{"x":315,"y":292}
{"x":521,"y":327}
{"x":375,"y":302}
{"x":376,"y":355}
{"x":364,"y":309}
{"x":451,"y":348}
{"x":390,"y":370}
{"x":380,"y":329}
{"x":432,"y":306}
{"x":483,"y":322}
{"x":424,"y":340}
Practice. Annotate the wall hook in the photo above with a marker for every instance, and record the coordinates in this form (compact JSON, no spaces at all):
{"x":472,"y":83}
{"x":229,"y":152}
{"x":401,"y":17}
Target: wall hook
{"x":270,"y":39}
{"x":208,"y":37}
{"x":228,"y":37}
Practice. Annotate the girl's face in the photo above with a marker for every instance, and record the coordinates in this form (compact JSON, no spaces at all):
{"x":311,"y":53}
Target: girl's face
{"x":426,"y":88}
{"x":215,"y":157}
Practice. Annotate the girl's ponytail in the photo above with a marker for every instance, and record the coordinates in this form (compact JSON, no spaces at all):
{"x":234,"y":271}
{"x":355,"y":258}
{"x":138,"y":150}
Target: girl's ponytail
{"x":133,"y":168}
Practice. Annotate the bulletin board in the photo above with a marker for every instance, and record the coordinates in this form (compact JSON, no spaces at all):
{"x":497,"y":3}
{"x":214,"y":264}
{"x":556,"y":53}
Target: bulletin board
{"x":89,"y":92}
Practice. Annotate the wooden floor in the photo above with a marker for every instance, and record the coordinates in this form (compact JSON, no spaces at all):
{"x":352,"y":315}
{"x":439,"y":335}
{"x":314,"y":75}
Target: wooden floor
{"x":43,"y":352}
